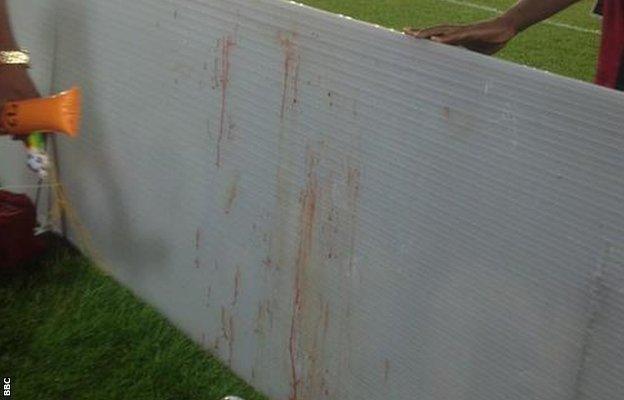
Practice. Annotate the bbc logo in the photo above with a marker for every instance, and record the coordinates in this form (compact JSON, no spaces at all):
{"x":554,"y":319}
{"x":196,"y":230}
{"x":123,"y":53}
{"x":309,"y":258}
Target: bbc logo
{"x":6,"y":388}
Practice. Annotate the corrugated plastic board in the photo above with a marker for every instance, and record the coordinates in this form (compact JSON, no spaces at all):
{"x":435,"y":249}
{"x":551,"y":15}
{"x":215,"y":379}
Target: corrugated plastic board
{"x":341,"y":212}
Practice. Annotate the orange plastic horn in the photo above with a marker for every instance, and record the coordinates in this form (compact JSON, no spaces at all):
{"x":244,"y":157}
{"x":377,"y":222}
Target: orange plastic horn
{"x":58,"y":113}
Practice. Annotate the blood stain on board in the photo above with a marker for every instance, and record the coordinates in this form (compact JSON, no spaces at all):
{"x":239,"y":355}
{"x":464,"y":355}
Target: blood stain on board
{"x":307,"y":218}
{"x":260,"y":314}
{"x":237,"y":284}
{"x":198,"y":235}
{"x":208,"y":294}
{"x":198,"y":238}
{"x":353,"y":186}
{"x":225,"y":44}
{"x":290,"y":86}
{"x":325,"y":319}
{"x":232,"y":192}
{"x":227,"y":329}
{"x":314,"y":350}
{"x":278,"y":250}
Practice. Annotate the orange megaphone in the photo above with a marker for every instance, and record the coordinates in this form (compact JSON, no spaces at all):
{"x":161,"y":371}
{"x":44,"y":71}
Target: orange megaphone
{"x":58,"y":113}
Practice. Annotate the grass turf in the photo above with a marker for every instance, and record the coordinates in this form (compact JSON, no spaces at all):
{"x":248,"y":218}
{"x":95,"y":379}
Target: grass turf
{"x":69,"y":332}
{"x":563,"y":50}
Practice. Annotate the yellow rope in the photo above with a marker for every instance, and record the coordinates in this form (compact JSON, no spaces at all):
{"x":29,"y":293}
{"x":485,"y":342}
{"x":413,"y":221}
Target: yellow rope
{"x":61,"y":206}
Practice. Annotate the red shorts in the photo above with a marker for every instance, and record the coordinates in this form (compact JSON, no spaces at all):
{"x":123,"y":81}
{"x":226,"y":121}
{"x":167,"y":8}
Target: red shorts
{"x":610,"y":72}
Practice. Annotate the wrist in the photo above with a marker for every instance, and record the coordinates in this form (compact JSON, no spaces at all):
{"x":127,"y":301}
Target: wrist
{"x":511,"y":22}
{"x":7,"y":42}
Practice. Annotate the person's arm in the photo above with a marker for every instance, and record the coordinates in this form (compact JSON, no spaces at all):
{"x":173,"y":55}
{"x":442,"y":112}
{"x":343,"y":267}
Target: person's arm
{"x":492,"y":35}
{"x":7,"y":41}
{"x":15,"y":84}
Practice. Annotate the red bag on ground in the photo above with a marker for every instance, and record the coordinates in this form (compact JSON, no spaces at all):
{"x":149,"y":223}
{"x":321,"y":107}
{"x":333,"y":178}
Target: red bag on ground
{"x":18,"y":219}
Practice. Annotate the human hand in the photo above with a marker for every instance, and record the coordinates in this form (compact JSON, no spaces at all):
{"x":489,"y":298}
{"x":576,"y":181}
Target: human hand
{"x":15,"y":84}
{"x":485,"y":37}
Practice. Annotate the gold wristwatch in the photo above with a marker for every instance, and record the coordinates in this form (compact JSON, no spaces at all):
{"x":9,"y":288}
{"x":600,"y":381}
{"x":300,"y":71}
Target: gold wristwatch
{"x":15,"y":57}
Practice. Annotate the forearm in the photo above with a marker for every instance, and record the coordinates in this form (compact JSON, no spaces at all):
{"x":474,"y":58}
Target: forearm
{"x":528,"y":12}
{"x":15,"y":84}
{"x":7,"y":40}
